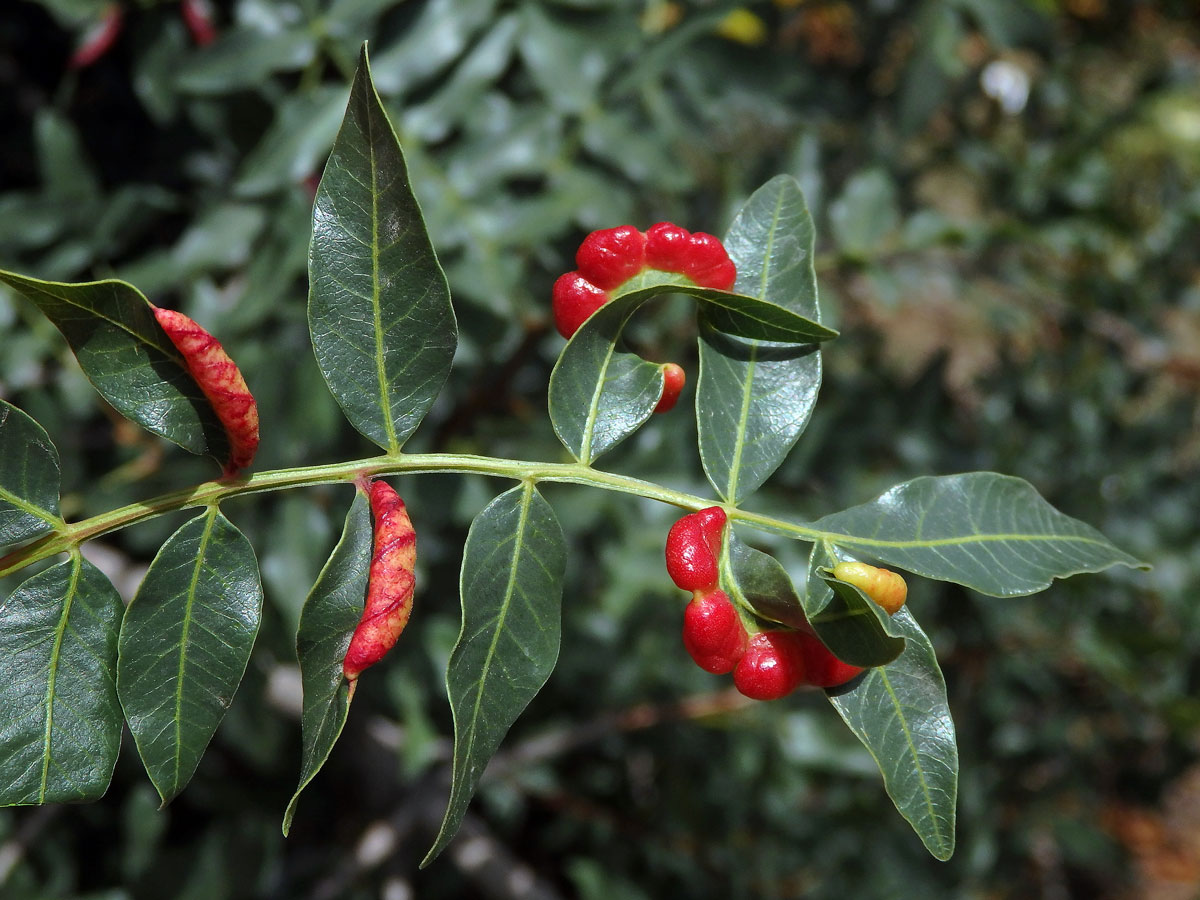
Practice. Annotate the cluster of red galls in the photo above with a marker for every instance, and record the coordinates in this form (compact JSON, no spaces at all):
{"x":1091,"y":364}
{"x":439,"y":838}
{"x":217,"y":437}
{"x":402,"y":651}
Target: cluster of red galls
{"x":766,"y":665}
{"x":612,"y":256}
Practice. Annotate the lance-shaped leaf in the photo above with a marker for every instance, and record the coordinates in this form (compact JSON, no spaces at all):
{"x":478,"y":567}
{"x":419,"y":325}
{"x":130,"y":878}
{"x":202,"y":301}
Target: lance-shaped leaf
{"x":511,"y":584}
{"x":753,"y":400}
{"x":992,"y":533}
{"x":60,"y":723}
{"x":185,"y":642}
{"x":901,"y":714}
{"x":121,"y":348}
{"x":847,"y":621}
{"x":29,"y":478}
{"x":378,"y":307}
{"x":327,"y":622}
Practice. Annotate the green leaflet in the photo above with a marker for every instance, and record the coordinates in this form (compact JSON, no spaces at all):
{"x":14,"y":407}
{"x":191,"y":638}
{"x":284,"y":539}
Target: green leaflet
{"x":327,"y":622}
{"x":379,"y":310}
{"x":753,"y":400}
{"x":60,"y":722}
{"x":111,"y":329}
{"x":901,"y":714}
{"x":29,"y":478}
{"x":511,"y":584}
{"x":992,"y":533}
{"x":185,"y":642}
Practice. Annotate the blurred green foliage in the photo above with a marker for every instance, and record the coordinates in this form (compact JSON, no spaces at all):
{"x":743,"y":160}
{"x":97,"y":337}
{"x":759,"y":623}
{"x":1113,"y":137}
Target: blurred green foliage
{"x":1008,"y":212}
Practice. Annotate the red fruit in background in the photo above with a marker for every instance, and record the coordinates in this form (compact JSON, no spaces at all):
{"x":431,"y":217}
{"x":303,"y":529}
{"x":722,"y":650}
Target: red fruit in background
{"x":611,"y":256}
{"x":667,"y":247}
{"x":708,"y":264}
{"x":674,"y":378}
{"x":693,"y":545}
{"x":772,"y":667}
{"x":575,"y":298}
{"x":99,"y":38}
{"x":822,"y":668}
{"x":713,"y":634}
{"x":198,"y":16}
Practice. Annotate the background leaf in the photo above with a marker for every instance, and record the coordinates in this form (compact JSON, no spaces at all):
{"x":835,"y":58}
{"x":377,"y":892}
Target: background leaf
{"x":327,"y":622}
{"x":901,"y":714}
{"x":123,"y":351}
{"x":754,"y":400}
{"x":512,"y":578}
{"x":185,"y":641}
{"x":29,"y":478}
{"x":378,"y":307}
{"x":60,"y":722}
{"x":993,"y":533}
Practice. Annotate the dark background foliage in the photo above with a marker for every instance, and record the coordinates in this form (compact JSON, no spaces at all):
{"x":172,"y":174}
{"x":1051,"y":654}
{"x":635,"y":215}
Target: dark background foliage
{"x":1008,"y":213}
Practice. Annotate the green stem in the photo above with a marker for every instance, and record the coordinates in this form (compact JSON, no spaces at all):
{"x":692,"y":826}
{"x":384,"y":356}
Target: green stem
{"x":210,"y":493}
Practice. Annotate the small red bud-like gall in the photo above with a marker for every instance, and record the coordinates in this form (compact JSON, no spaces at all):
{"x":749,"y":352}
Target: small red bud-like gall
{"x":221,"y":382}
{"x":575,"y":299}
{"x":390,"y":582}
{"x":693,"y":548}
{"x":667,"y":247}
{"x":674,"y":378}
{"x":821,"y":667}
{"x":198,"y":16}
{"x":708,"y":264}
{"x":772,"y":667}
{"x":713,"y":633}
{"x":99,"y":38}
{"x":887,"y":588}
{"x":610,"y":257}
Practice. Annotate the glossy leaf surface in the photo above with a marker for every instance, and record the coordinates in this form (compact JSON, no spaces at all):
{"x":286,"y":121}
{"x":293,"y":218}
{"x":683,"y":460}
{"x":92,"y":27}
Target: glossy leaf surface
{"x":29,"y":477}
{"x":992,"y":533}
{"x":599,"y":393}
{"x":327,"y":622}
{"x":185,"y":642}
{"x":901,"y":714}
{"x":60,"y":722}
{"x":379,"y":307}
{"x":111,"y":329}
{"x":753,"y":400}
{"x":511,"y":584}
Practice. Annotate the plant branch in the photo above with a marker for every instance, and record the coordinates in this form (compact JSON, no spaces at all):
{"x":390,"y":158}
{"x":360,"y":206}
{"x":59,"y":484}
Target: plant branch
{"x":210,"y":493}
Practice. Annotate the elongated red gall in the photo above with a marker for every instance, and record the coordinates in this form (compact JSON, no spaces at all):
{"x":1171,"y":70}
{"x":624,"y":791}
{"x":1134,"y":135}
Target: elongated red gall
{"x":221,"y":382}
{"x":390,"y":582}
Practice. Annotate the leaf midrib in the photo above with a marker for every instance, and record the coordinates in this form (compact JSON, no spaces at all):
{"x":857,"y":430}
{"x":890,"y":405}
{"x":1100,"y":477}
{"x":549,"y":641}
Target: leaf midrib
{"x":917,"y":767}
{"x":389,"y":425}
{"x":739,"y":445}
{"x":52,"y":680}
{"x":183,"y":641}
{"x":518,"y":546}
{"x":91,"y":310}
